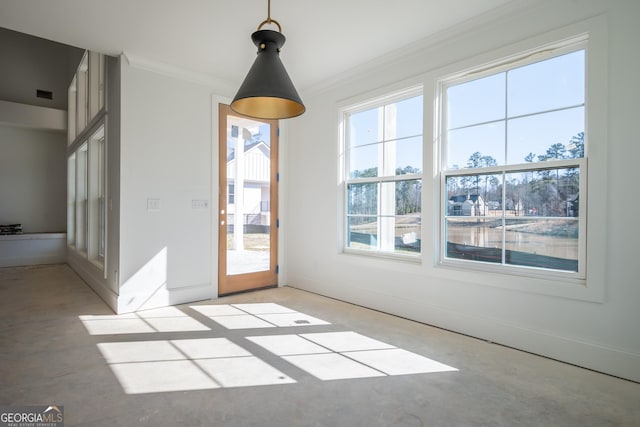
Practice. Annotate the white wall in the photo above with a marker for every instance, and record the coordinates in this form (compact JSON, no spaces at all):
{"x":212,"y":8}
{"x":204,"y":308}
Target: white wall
{"x":33,"y":179}
{"x":30,"y":116}
{"x":166,"y":154}
{"x":601,"y":335}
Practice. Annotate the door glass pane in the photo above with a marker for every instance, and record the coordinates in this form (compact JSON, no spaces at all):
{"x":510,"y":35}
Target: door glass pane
{"x":249,"y":202}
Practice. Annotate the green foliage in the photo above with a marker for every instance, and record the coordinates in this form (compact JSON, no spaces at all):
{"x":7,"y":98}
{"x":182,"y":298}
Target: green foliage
{"x":547,"y":192}
{"x":363,"y":197}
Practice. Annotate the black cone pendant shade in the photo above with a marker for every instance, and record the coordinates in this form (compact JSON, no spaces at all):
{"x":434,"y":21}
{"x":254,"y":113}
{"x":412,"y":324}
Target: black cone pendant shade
{"x":267,"y":92}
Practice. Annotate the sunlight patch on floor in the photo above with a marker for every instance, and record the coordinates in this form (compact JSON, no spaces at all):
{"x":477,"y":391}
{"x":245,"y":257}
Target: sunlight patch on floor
{"x":166,"y":319}
{"x":190,"y":364}
{"x":167,"y":365}
{"x":332,"y":366}
{"x":343,"y":355}
{"x":346,"y":341}
{"x":256,"y":315}
{"x":288,"y":345}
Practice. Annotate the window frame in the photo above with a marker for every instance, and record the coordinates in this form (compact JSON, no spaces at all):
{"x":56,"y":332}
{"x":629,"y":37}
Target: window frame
{"x":390,"y":97}
{"x":71,"y":200}
{"x":593,"y":286}
{"x":81,"y":198}
{"x":87,"y":221}
{"x":96,"y":224}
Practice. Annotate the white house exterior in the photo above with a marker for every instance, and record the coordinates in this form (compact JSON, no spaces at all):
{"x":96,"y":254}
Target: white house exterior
{"x":256,"y":184}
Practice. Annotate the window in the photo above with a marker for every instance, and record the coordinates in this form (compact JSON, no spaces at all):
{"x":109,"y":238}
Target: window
{"x":96,"y":83}
{"x":96,"y":195}
{"x":86,"y":166}
{"x":71,"y":113}
{"x":71,"y":200}
{"x":81,"y":198}
{"x":513,"y":163}
{"x":82,"y":92}
{"x":232,"y":194}
{"x":383,"y":175}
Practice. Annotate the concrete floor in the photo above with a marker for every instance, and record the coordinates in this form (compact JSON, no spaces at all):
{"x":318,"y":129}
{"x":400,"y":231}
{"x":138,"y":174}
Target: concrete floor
{"x":48,"y":355}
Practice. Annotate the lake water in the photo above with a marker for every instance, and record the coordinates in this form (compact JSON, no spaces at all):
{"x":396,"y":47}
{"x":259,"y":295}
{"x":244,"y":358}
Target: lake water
{"x":490,"y":237}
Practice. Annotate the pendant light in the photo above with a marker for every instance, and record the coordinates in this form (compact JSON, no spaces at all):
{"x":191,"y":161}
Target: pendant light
{"x":267,"y":91}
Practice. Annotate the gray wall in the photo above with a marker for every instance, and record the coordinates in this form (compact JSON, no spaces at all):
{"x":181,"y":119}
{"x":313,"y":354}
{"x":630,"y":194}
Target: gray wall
{"x":33,"y":179}
{"x":30,"y":63}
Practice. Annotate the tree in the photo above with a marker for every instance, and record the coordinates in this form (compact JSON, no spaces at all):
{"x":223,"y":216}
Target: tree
{"x":363,"y":198}
{"x":556,"y":151}
{"x":576,"y":151}
{"x":408,"y":193}
{"x":576,"y":146}
{"x":487,"y":161}
{"x":477,"y":160}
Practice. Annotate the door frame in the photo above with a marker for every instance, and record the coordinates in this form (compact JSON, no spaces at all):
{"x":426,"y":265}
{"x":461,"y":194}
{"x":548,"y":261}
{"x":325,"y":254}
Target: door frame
{"x":229,"y":284}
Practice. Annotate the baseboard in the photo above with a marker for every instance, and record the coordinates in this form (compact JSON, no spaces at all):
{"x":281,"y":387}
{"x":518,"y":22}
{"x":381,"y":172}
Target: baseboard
{"x":592,"y":356}
{"x":95,"y":279}
{"x":33,"y":249}
{"x":163,"y":297}
{"x":32,"y":260}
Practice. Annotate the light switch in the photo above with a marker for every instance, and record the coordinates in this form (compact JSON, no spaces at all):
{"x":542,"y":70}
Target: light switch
{"x":153,"y":204}
{"x":199,"y":204}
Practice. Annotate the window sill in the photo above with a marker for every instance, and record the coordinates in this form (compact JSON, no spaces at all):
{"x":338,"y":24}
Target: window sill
{"x":98,"y":262}
{"x":537,"y":282}
{"x":33,"y":236}
{"x":413,"y":259}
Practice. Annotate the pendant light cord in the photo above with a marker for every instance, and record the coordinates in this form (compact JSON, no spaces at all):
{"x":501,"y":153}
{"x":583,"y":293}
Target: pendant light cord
{"x":269,"y":20}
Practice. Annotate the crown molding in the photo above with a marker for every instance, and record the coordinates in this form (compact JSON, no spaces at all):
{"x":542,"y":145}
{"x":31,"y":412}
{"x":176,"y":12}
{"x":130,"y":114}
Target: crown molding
{"x":216,"y":84}
{"x":507,"y":11}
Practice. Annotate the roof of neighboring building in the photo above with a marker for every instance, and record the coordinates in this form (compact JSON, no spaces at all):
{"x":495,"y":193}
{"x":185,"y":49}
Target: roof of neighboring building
{"x":461,"y":198}
{"x":248,"y":147}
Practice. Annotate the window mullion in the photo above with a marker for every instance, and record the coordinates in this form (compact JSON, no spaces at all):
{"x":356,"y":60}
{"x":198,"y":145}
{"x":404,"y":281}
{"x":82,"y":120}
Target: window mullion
{"x":538,"y":200}
{"x":385,"y":153}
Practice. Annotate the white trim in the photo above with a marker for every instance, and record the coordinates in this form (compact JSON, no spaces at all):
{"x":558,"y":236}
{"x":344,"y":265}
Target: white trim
{"x":520,"y":59}
{"x":163,"y":297}
{"x":32,"y":116}
{"x":215,"y":188}
{"x":381,"y":99}
{"x":33,"y":236}
{"x":32,"y":249}
{"x":168,"y":70}
{"x":93,"y":276}
{"x":613,"y":361}
{"x":593,"y":287}
{"x":387,"y":96}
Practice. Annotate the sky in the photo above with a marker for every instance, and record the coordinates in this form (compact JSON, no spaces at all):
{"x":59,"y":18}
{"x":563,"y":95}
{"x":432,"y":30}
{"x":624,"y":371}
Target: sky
{"x":531,"y":108}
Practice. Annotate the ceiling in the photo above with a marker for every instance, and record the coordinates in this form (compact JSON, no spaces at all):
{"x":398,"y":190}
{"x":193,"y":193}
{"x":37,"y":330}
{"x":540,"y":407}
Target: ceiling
{"x":212,"y":37}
